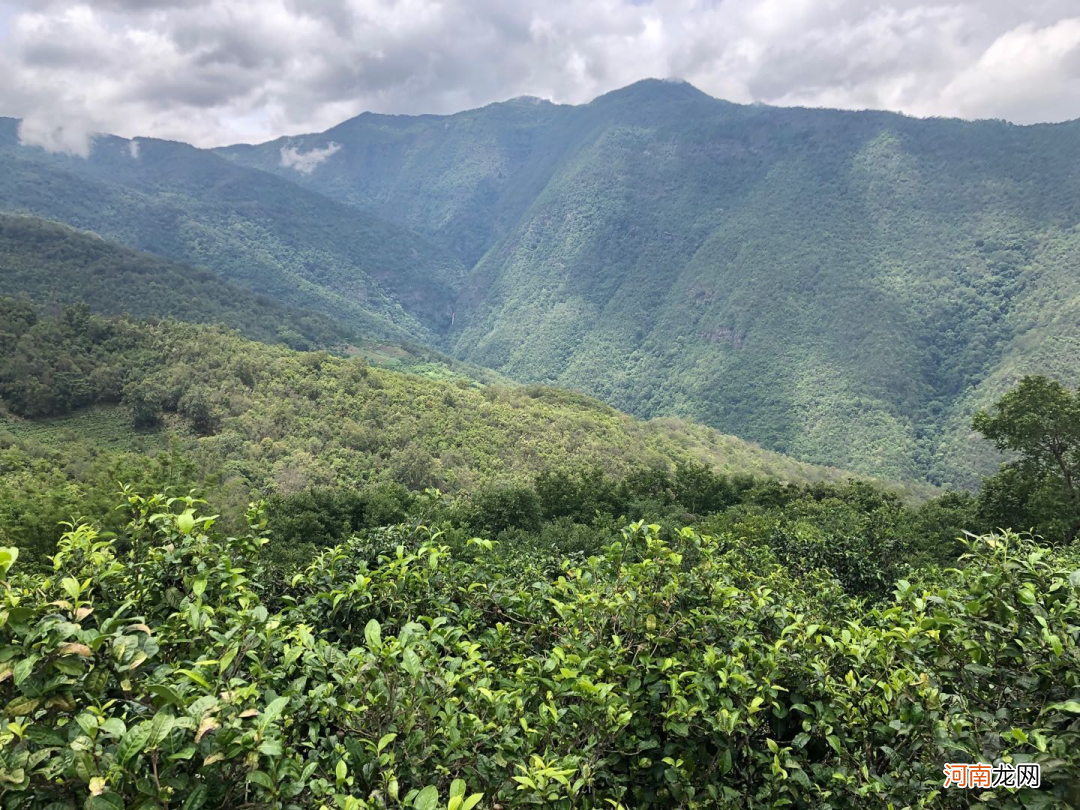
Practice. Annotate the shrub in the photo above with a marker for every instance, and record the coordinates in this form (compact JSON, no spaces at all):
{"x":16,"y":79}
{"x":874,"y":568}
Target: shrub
{"x":400,"y":671}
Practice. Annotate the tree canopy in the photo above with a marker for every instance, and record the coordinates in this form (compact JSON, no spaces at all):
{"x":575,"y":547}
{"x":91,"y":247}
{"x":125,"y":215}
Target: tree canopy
{"x":1039,"y":421}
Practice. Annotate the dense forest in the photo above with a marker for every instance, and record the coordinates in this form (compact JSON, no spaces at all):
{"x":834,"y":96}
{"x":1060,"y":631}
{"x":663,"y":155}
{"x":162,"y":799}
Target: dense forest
{"x":844,"y":287}
{"x":57,"y":266}
{"x":256,"y":418}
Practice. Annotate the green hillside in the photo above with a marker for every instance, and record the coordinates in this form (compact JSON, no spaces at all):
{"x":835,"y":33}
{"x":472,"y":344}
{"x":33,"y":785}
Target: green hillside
{"x":249,"y":227}
{"x":88,"y":403}
{"x":54,"y":265}
{"x":845,"y":287}
{"x":286,"y":420}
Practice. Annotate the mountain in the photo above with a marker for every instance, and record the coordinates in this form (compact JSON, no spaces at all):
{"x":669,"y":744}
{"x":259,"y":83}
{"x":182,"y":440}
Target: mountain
{"x":844,"y":287}
{"x":54,"y":265}
{"x":249,"y":227}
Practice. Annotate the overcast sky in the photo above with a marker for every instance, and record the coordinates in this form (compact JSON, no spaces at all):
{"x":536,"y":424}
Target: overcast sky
{"x":219,"y":71}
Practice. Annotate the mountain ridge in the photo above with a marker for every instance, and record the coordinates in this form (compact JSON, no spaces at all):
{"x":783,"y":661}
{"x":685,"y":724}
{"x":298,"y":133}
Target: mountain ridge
{"x":678,"y":254}
{"x":846,"y":287}
{"x":248,"y":226}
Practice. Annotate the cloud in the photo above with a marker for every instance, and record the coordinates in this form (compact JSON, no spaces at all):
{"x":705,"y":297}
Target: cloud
{"x":1025,"y":70}
{"x":305,"y":162}
{"x":55,"y":136}
{"x":247,"y":70}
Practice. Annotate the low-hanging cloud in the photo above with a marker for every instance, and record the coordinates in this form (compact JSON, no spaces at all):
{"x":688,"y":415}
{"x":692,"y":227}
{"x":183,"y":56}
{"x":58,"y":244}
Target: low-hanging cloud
{"x":55,"y":136}
{"x":248,"y":70}
{"x":306,"y":162}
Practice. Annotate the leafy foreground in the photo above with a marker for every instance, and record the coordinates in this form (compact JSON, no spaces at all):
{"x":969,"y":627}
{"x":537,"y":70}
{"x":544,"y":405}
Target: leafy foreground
{"x":415,"y":667}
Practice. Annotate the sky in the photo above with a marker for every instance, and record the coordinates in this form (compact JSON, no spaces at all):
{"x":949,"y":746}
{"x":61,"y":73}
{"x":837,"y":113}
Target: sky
{"x":212,"y":72}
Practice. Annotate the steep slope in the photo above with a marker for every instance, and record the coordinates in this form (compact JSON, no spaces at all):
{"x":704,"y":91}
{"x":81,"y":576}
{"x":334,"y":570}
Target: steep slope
{"x":54,"y":265}
{"x":462,"y":181}
{"x":845,"y":287}
{"x":250,"y":227}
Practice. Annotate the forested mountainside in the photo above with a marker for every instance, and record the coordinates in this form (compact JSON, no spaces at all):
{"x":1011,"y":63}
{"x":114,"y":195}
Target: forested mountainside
{"x":842,"y":286}
{"x":57,"y":266}
{"x":249,"y":227}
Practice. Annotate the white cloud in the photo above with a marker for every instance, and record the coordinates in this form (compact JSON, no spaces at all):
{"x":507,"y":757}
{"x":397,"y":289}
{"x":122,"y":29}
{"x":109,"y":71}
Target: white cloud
{"x":243,"y":70}
{"x":1026,"y":70}
{"x":133,"y":149}
{"x":306,"y":162}
{"x":55,"y":136}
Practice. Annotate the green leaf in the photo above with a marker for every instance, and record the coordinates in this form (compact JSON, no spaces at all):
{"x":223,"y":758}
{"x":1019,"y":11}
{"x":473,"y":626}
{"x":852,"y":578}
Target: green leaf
{"x":71,"y":587}
{"x":227,"y":659}
{"x":186,"y":522}
{"x":472,"y":801}
{"x":196,"y":798}
{"x":43,"y":735}
{"x":114,"y":726}
{"x":1071,"y":706}
{"x":457,"y":788}
{"x":262,"y":779}
{"x":24,"y":669}
{"x":160,"y":728}
{"x":273,"y":711}
{"x":410,"y":661}
{"x":384,"y":741}
{"x":195,"y":676}
{"x":373,"y":634}
{"x":132,"y":743}
{"x":21,"y":706}
{"x":8,"y":555}
{"x":106,"y":801}
{"x":166,"y":693}
{"x":427,"y":799}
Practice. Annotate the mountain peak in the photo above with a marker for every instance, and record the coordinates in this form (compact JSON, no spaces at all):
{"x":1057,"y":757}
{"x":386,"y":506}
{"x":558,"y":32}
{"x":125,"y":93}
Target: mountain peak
{"x":654,"y":90}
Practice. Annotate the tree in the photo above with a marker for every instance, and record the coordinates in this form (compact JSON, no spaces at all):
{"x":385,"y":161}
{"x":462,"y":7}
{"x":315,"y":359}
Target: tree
{"x":144,"y":398}
{"x":1040,"y":421}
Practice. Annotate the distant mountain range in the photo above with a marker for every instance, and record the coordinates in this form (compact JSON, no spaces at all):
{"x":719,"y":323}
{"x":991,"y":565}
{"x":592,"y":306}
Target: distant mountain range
{"x":844,"y":287}
{"x":249,"y":227}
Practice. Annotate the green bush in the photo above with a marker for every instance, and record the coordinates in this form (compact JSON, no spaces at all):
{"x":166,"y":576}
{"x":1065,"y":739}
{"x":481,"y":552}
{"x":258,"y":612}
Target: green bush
{"x":411,"y":668}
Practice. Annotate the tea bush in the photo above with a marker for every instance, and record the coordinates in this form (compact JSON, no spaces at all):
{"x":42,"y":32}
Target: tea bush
{"x":171,"y":666}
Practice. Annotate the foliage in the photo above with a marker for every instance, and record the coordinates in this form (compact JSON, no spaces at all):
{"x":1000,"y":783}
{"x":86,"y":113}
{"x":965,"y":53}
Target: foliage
{"x":54,"y":265}
{"x":1039,"y":421}
{"x":844,"y":287}
{"x":287,"y":421}
{"x":407,"y":667}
